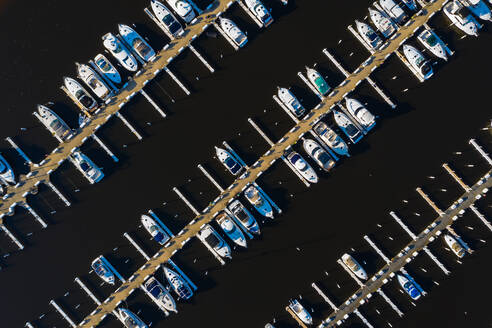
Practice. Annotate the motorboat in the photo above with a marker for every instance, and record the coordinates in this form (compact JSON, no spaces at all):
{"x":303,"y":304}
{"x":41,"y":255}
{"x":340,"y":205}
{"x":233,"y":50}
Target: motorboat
{"x":418,"y":61}
{"x":119,"y":51}
{"x":432,"y":43}
{"x":455,"y":246}
{"x":100,"y":267}
{"x":228,"y":161}
{"x":86,"y":166}
{"x":354,"y":266}
{"x":231,"y":229}
{"x":107,"y":69}
{"x":347,"y":126}
{"x":154,"y":229}
{"x":160,"y":295}
{"x":6,"y":173}
{"x":408,"y":287}
{"x":300,"y":312}
{"x":382,"y":22}
{"x":290,"y":101}
{"x":301,"y":166}
{"x":461,"y":17}
{"x":54,"y":123}
{"x":318,"y":154}
{"x":235,"y":34}
{"x":317,"y":81}
{"x":79,"y":93}
{"x":259,"y":10}
{"x":130,"y":319}
{"x":478,"y":8}
{"x":393,"y":10}
{"x":244,"y":217}
{"x":360,"y":113}
{"x":93,"y":81}
{"x":255,"y":198}
{"x":215,"y":241}
{"x":183,"y":8}
{"x":411,"y":4}
{"x":368,"y":34}
{"x":164,"y":15}
{"x":178,"y":284}
{"x":136,"y":42}
{"x":331,"y":138}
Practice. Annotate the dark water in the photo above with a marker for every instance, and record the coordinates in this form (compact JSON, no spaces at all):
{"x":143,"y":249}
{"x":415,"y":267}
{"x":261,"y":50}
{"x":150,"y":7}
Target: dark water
{"x":41,"y":42}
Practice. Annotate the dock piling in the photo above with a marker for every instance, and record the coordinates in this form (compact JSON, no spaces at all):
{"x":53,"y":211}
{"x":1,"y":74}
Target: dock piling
{"x":36,"y":215}
{"x":63,"y":314}
{"x":357,"y":280}
{"x":456,"y":177}
{"x":429,"y":201}
{"x":325,"y":298}
{"x":214,"y":182}
{"x":137,"y":246}
{"x":373,"y":245}
{"x":171,"y":74}
{"x":296,"y":318}
{"x":310,"y":86}
{"x":123,"y":119}
{"x":20,"y":151}
{"x":87,"y":290}
{"x":186,"y":201}
{"x":11,"y":236}
{"x":202,"y":59}
{"x":106,"y":149}
{"x":390,"y":302}
{"x":153,"y":103}
{"x":482,"y":152}
{"x":481,"y":217}
{"x":364,"y":320}
{"x":60,"y":195}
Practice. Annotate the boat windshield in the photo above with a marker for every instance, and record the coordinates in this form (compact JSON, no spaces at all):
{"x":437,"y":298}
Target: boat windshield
{"x":86,"y":101}
{"x":84,"y":166}
{"x":118,"y":48}
{"x":242,"y":215}
{"x":352,"y":264}
{"x":155,"y":290}
{"x":321,"y":84}
{"x":103,"y":65}
{"x":212,"y":240}
{"x":230,"y":162}
{"x":93,"y":82}
{"x":174,"y":26}
{"x":130,"y":323}
{"x":160,"y":237}
{"x":351,"y":130}
{"x":323,"y":157}
{"x":371,"y":36}
{"x":432,"y":40}
{"x":140,"y":46}
{"x":168,"y":19}
{"x":462,"y":13}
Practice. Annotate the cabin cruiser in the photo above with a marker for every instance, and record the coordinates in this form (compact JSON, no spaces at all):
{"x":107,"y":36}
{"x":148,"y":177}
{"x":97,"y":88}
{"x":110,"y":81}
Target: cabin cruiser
{"x":318,"y":154}
{"x":107,"y":69}
{"x":102,"y":270}
{"x":301,"y":166}
{"x":259,"y":10}
{"x":394,"y":10}
{"x":331,"y":138}
{"x":244,"y":217}
{"x":461,"y":18}
{"x":300,"y":312}
{"x":6,"y":173}
{"x":408,"y":287}
{"x":432,"y":43}
{"x":93,"y":81}
{"x":79,"y":93}
{"x":382,"y":22}
{"x":164,"y":15}
{"x":317,"y":81}
{"x":290,"y":101}
{"x":178,"y":284}
{"x":354,"y":266}
{"x":361,"y":114}
{"x":256,"y":199}
{"x":230,"y":28}
{"x":215,"y":241}
{"x":411,"y":4}
{"x":368,"y":34}
{"x":231,"y":229}
{"x":154,"y":229}
{"x":136,"y":42}
{"x":54,"y":123}
{"x":417,"y":60}
{"x":228,"y":161}
{"x":119,"y":51}
{"x":347,"y":126}
{"x":130,"y":319}
{"x":86,"y":166}
{"x":160,"y":295}
{"x":455,"y":246}
{"x":478,"y":8}
{"x":183,"y":9}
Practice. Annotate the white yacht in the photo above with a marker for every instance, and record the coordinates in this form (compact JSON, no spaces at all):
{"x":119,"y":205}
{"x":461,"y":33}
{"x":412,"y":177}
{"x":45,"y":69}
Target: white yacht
{"x":215,"y":241}
{"x":354,"y":266}
{"x":230,"y":28}
{"x":411,"y":4}
{"x":290,"y":101}
{"x":54,"y":123}
{"x":301,"y":312}
{"x":259,"y":10}
{"x":318,"y":154}
{"x":119,"y":51}
{"x":347,"y":126}
{"x":418,"y":61}
{"x":228,"y":161}
{"x":478,"y":8}
{"x":455,"y":246}
{"x":164,"y":15}
{"x":160,"y":295}
{"x":102,"y":270}
{"x":154,"y":229}
{"x":461,"y":18}
{"x":107,"y":69}
{"x":256,"y":199}
{"x":86,"y":166}
{"x":317,"y":81}
{"x":93,"y":81}
{"x":361,"y":114}
{"x":178,"y":284}
{"x":244,"y":217}
{"x":6,"y":172}
{"x":183,"y":9}
{"x":382,"y":22}
{"x":79,"y":93}
{"x":408,"y":287}
{"x":231,"y":229}
{"x":304,"y":169}
{"x":368,"y":34}
{"x":393,"y":10}
{"x":331,"y":138}
{"x":136,"y":42}
{"x":433,"y":44}
{"x":130,"y":319}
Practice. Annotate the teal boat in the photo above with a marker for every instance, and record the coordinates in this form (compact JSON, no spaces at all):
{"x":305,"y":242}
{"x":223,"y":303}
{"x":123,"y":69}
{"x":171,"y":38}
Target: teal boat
{"x":318,"y":81}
